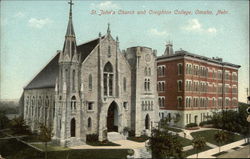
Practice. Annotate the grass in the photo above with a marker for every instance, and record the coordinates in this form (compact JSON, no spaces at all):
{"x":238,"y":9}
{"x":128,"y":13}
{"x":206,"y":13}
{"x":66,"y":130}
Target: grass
{"x":193,"y":151}
{"x":236,"y":148}
{"x":50,"y":147}
{"x":220,"y":153}
{"x":174,"y":129}
{"x":13,"y":149}
{"x":184,"y":141}
{"x":104,"y":143}
{"x":209,"y":137}
{"x":142,"y":138}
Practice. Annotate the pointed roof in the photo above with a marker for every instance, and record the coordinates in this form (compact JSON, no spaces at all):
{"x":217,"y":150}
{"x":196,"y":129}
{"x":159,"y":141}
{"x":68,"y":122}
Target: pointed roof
{"x":46,"y":78}
{"x":70,"y":28}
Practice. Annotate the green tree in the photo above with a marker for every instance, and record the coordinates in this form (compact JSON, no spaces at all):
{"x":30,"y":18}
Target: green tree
{"x":4,"y":121}
{"x":45,"y":136}
{"x":198,"y":143}
{"x":163,"y":144}
{"x":220,"y":137}
{"x":19,"y":127}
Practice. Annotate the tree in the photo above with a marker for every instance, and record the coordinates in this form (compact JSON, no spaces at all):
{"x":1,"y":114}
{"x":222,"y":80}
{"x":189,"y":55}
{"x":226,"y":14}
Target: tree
{"x":45,"y":135}
{"x":4,"y":121}
{"x":198,"y":144}
{"x":19,"y":127}
{"x":163,"y":144}
{"x":220,"y":137}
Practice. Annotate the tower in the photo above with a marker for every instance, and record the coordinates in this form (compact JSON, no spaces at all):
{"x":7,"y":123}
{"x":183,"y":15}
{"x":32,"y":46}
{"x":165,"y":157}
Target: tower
{"x":169,"y":49}
{"x":67,"y":98}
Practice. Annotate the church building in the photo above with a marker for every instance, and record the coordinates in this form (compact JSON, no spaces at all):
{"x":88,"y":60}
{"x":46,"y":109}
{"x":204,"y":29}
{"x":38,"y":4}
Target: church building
{"x":94,"y":88}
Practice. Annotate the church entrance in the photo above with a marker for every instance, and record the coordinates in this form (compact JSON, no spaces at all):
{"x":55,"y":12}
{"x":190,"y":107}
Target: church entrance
{"x":112,"y":119}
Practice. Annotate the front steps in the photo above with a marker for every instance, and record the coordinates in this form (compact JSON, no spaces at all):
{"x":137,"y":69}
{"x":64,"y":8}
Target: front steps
{"x":114,"y":136}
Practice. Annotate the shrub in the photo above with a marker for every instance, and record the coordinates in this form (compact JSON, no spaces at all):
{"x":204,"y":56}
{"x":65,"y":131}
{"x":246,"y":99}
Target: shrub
{"x":205,"y":123}
{"x":190,"y":125}
{"x":92,"y":138}
{"x":131,"y":133}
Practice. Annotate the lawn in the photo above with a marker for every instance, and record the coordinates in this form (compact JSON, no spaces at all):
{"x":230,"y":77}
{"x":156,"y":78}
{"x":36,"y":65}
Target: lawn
{"x":193,"y":151}
{"x":142,"y":138}
{"x":209,"y":136}
{"x":13,"y":149}
{"x":184,"y":141}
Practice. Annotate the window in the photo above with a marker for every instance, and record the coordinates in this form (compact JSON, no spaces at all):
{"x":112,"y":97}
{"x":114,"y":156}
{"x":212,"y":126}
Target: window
{"x":73,"y":103}
{"x":73,"y":127}
{"x":145,"y":71}
{"x":149,"y":71}
{"x":90,"y":105}
{"x":179,"y":69}
{"x":161,"y":101}
{"x":73,"y":80}
{"x":124,"y":84}
{"x":179,"y":85}
{"x":109,"y":51}
{"x":125,"y":105}
{"x":147,"y":84}
{"x":108,"y":79}
{"x":179,"y":101}
{"x":90,"y":82}
{"x":89,"y":123}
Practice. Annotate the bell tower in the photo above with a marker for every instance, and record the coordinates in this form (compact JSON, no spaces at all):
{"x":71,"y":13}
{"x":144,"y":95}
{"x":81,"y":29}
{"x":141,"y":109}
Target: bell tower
{"x":169,"y":49}
{"x":67,"y":118}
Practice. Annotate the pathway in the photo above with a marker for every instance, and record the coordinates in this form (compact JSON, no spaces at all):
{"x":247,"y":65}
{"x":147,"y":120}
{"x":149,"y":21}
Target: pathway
{"x":209,"y":153}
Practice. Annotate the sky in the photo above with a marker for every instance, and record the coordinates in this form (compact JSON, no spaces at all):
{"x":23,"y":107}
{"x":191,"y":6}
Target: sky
{"x":32,"y":32}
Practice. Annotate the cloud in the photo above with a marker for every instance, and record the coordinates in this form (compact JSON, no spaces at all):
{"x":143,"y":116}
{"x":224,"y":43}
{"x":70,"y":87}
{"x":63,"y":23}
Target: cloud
{"x":39,"y":23}
{"x":154,"y":31}
{"x":105,"y":5}
{"x":211,"y":30}
{"x":19,"y":15}
{"x":195,"y":26}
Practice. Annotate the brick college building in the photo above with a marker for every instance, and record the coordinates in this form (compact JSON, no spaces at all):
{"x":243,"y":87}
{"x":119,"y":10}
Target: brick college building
{"x":191,"y":85}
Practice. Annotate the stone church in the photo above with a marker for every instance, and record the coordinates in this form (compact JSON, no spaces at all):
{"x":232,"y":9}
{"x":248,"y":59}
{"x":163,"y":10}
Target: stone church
{"x":94,"y":88}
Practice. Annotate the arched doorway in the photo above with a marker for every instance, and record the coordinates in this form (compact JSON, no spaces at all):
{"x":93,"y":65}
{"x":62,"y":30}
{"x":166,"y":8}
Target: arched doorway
{"x":147,"y":122}
{"x":112,"y":118}
{"x":73,"y":127}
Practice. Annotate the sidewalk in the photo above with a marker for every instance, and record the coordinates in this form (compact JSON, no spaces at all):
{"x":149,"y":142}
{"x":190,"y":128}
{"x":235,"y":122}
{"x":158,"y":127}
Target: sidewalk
{"x":125,"y":144}
{"x":209,"y":153}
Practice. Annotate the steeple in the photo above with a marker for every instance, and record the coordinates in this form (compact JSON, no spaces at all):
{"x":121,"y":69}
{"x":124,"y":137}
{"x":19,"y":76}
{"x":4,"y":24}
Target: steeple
{"x":169,"y":49}
{"x":69,"y":48}
{"x":108,"y":30}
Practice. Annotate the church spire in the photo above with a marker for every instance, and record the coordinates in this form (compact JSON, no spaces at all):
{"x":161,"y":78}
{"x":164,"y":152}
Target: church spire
{"x":70,"y":29}
{"x":108,"y":30}
{"x":69,"y":48}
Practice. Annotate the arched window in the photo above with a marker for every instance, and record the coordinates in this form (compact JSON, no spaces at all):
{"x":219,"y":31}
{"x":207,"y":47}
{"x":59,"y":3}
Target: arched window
{"x":149,"y":71}
{"x":73,"y":103}
{"x":124,"y":84}
{"x":159,"y":101}
{"x":90,"y":82}
{"x":108,"y":79}
{"x":163,"y":86}
{"x":145,"y":71}
{"x":147,"y":121}
{"x":73,"y":79}
{"x":148,"y":84}
{"x":145,"y":85}
{"x":89,"y":123}
{"x":109,"y":51}
{"x":73,"y":127}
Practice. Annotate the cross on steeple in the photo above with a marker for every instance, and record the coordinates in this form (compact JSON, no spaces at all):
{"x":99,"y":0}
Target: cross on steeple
{"x":70,"y":11}
{"x":108,"y":30}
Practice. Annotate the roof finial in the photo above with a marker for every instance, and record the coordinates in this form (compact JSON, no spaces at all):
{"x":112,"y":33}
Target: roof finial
{"x":108,"y":31}
{"x":70,"y":11}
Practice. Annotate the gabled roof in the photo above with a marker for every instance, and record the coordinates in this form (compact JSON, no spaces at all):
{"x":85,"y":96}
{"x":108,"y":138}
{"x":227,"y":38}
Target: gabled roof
{"x":46,"y":78}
